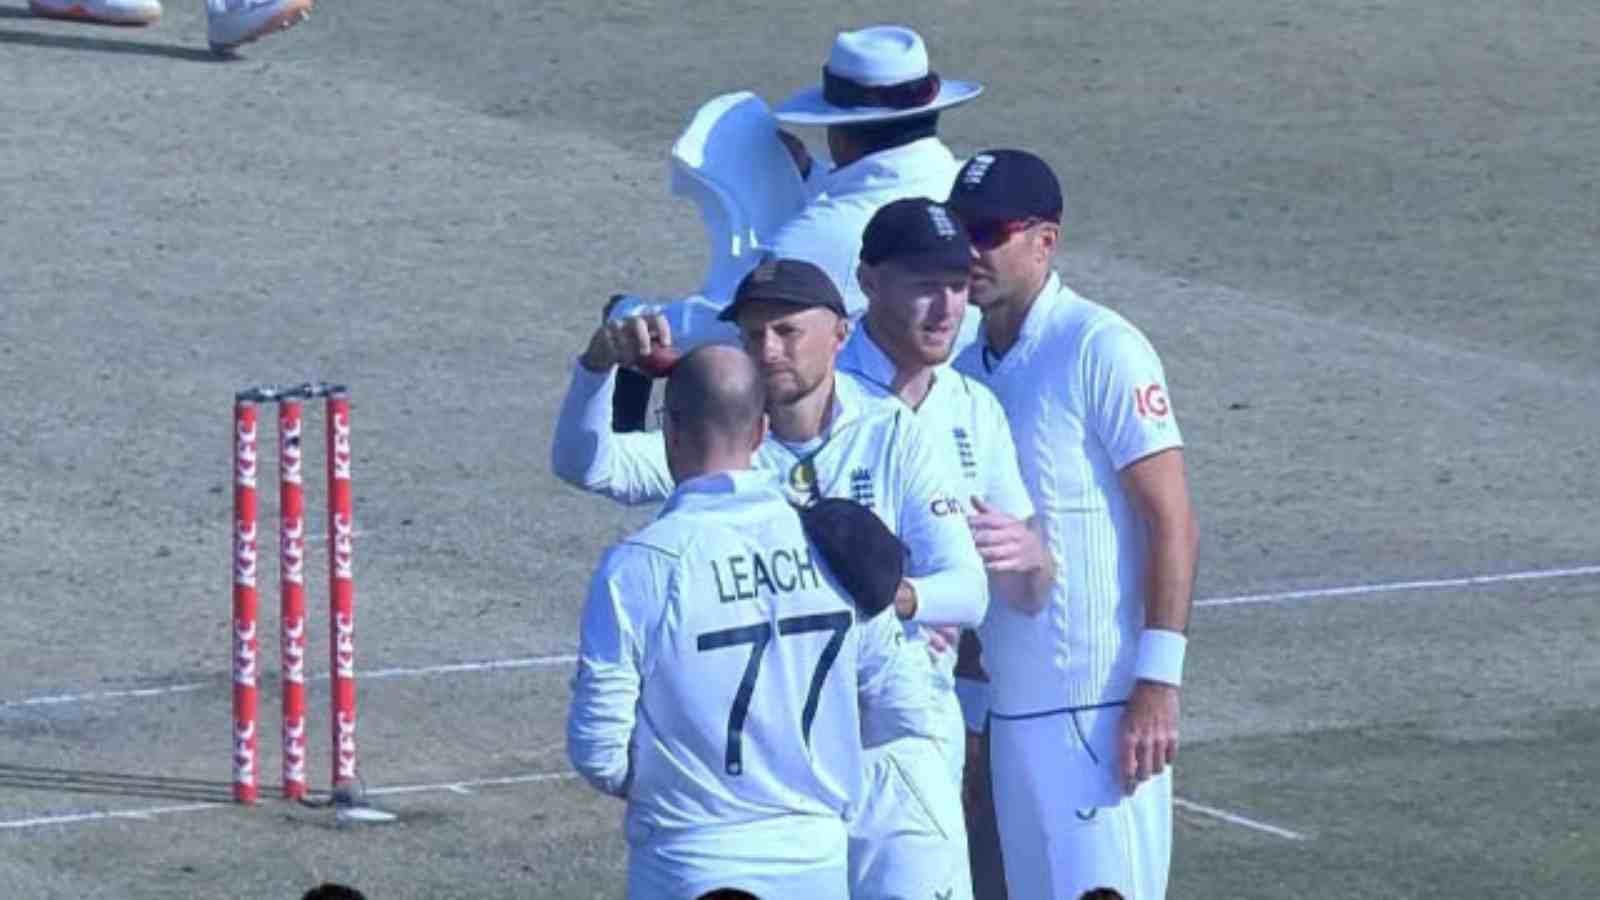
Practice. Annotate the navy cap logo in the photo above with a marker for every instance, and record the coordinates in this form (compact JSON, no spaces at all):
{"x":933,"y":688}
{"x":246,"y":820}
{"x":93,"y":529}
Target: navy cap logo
{"x":766,"y":270}
{"x":976,"y":169}
{"x":941,"y":222}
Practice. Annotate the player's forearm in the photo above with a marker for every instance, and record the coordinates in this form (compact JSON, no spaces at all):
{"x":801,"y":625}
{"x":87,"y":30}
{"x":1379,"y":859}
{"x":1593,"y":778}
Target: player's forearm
{"x":600,"y":727}
{"x":585,"y":452}
{"x":583,"y":428}
{"x":956,"y":594}
{"x":1174,"y":555}
{"x":1042,"y":579}
{"x":604,"y":764}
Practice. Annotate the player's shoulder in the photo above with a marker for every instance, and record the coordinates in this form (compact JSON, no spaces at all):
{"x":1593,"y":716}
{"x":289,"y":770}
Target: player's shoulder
{"x":824,"y":218}
{"x":651,"y":547}
{"x":968,"y":388}
{"x":989,"y":414}
{"x":969,"y":362}
{"x":667,"y":537}
{"x":882,"y":425}
{"x":1083,"y":327}
{"x":870,"y":403}
{"x":966,"y":402}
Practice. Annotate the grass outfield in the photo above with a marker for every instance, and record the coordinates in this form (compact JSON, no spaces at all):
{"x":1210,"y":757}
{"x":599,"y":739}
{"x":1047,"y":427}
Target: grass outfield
{"x":1361,"y":237}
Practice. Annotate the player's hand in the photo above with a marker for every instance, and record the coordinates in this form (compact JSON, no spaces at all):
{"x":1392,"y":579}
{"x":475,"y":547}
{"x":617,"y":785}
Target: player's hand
{"x":941,"y":639}
{"x":640,"y":342}
{"x":1010,"y":548}
{"x":1148,"y":739}
{"x":905,"y":600}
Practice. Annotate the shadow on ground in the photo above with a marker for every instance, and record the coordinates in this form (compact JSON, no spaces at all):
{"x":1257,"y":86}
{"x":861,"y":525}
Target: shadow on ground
{"x":121,"y":784}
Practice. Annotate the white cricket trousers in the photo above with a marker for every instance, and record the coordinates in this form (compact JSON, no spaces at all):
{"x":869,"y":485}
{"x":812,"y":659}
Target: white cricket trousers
{"x":951,"y":725}
{"x":909,"y":839}
{"x":787,"y":856}
{"x":1066,"y":826}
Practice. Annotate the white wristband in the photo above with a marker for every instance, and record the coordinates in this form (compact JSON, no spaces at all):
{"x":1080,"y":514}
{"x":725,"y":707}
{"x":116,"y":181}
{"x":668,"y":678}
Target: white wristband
{"x":1160,"y":656}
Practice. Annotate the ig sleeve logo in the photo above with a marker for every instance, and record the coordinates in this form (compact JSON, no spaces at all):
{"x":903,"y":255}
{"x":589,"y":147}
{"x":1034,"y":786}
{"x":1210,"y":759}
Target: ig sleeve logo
{"x":1151,"y":401}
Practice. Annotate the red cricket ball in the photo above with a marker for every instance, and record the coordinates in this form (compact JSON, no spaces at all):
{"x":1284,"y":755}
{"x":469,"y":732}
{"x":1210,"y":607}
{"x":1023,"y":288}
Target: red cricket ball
{"x":659,"y":361}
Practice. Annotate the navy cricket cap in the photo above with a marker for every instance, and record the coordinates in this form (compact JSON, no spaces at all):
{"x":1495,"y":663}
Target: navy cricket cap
{"x":793,"y":281}
{"x":918,"y":234}
{"x":1006,"y":185}
{"x":864,"y":555}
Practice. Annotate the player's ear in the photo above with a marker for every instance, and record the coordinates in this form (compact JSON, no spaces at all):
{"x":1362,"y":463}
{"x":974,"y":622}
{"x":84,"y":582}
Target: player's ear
{"x":760,"y":432}
{"x":841,"y":332}
{"x":1049,"y":236}
{"x":867,"y":277}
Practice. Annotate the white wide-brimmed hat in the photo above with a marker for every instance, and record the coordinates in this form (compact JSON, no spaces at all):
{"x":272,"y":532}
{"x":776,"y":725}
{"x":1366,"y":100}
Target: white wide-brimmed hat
{"x":874,"y":75}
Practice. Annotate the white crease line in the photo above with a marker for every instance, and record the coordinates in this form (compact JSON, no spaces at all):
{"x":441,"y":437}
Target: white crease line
{"x":138,"y":815}
{"x":466,"y":787}
{"x":1390,"y":587}
{"x":525,"y":662}
{"x":529,"y":662}
{"x":1241,"y":821}
{"x":104,"y":695}
{"x":148,"y":813}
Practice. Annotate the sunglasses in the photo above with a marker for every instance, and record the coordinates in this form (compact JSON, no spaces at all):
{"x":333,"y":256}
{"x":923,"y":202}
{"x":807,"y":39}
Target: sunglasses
{"x":989,"y":235}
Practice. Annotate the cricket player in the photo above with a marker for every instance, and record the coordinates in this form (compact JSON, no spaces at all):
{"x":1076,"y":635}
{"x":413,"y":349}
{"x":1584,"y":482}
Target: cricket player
{"x":828,"y":437}
{"x":879,"y":101}
{"x":229,"y":23}
{"x":1084,"y":716}
{"x":724,"y":657}
{"x":915,"y":262}
{"x":914,"y":271}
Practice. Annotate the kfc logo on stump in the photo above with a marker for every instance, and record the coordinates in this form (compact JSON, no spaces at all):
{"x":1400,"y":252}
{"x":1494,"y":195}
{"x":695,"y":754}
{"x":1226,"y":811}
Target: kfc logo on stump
{"x":244,"y":753}
{"x":294,"y":650}
{"x":289,"y":448}
{"x":341,"y":447}
{"x":344,"y":547}
{"x":244,"y":464}
{"x":345,"y":741}
{"x":294,"y":750}
{"x":293,"y":540}
{"x":244,"y":555}
{"x":344,"y":645}
{"x":244,"y":654}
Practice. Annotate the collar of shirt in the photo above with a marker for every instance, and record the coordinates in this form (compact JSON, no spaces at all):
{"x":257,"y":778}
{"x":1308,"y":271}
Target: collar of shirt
{"x":722,"y":488}
{"x":863,"y":358}
{"x":891,"y":167}
{"x":1032,"y":326}
{"x":849,"y":393}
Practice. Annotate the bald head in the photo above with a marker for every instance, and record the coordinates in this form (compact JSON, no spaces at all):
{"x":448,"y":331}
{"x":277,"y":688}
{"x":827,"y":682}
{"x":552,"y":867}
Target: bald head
{"x":714,"y":402}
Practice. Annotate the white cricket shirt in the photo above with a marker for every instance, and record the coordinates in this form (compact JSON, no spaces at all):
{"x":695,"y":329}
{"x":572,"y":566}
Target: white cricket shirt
{"x":967,"y":426}
{"x":873,"y":452}
{"x":828,"y":231}
{"x":720,"y":673}
{"x":1086,"y":396}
